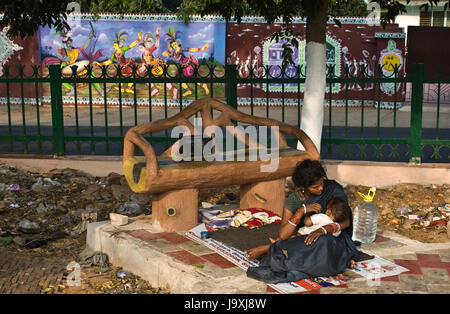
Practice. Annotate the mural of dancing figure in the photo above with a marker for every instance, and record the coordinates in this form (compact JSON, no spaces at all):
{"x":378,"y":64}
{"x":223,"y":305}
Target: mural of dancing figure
{"x":68,"y":56}
{"x":156,"y":64}
{"x":118,"y":57}
{"x":187,"y":63}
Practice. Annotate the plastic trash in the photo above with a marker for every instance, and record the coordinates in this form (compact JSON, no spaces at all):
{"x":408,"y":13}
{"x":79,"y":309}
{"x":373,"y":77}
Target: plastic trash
{"x":27,"y":226}
{"x":207,"y":205}
{"x":205,"y":234}
{"x":121,"y":274}
{"x":130,"y":208}
{"x":14,"y":188}
{"x":43,"y":209}
{"x":365,"y":218}
{"x":44,"y":185}
{"x":403,"y":210}
{"x":445,"y":209}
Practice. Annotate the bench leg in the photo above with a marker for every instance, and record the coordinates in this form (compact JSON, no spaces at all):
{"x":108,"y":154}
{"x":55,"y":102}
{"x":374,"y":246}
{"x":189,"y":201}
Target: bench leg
{"x":175,"y":210}
{"x":269,"y":195}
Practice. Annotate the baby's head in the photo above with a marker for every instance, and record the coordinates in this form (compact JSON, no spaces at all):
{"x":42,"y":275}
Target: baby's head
{"x":338,"y":210}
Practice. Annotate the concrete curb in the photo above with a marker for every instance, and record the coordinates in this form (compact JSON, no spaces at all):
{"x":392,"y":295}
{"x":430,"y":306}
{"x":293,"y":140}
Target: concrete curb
{"x":366,"y":173}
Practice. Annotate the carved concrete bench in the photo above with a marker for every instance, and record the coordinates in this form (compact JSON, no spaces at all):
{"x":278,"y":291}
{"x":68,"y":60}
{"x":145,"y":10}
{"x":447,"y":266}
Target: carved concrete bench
{"x":174,"y":185}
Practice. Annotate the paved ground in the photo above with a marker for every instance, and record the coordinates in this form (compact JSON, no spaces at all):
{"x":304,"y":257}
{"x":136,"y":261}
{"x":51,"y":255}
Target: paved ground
{"x":429,"y":271}
{"x":289,"y":115}
{"x":22,"y":273}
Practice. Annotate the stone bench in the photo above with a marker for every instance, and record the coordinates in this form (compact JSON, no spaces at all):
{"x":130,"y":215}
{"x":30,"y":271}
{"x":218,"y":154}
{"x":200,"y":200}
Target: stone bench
{"x":174,"y":185}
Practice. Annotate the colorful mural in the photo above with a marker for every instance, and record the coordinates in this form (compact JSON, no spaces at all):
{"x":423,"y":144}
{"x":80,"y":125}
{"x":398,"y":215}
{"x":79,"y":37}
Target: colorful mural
{"x":147,"y":43}
{"x":354,"y":46}
{"x":272,"y":57}
{"x":390,"y":60}
{"x":7,"y":48}
{"x":152,"y":42}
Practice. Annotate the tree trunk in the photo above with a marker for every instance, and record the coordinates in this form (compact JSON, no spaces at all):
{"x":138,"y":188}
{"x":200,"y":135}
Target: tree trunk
{"x":315,"y":83}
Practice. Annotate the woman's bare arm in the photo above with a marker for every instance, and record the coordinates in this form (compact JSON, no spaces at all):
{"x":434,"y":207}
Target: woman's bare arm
{"x":289,"y":224}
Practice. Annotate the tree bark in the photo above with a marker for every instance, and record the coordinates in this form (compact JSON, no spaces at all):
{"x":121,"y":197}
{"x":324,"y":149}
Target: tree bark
{"x":315,"y":83}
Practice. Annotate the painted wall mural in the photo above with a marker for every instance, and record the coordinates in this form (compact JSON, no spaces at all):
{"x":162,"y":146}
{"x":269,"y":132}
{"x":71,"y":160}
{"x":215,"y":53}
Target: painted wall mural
{"x":272,"y":57}
{"x":391,"y":60}
{"x":150,"y":42}
{"x":350,"y":49}
{"x":7,"y":48}
{"x":143,"y":42}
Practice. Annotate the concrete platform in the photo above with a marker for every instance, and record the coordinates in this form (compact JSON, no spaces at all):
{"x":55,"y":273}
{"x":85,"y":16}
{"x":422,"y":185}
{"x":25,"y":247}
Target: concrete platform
{"x":171,"y":260}
{"x":168,"y":259}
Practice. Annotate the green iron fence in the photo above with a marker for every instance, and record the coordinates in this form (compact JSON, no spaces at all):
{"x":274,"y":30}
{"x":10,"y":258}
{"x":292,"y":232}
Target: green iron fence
{"x":113,"y":101}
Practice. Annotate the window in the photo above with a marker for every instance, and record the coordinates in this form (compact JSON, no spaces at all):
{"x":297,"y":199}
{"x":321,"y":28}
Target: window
{"x":438,"y":18}
{"x":425,"y":18}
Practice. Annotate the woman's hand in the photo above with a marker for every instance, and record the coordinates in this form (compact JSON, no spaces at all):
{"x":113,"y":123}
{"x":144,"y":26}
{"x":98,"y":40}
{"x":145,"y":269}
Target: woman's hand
{"x":314,"y":207}
{"x":313,"y":236}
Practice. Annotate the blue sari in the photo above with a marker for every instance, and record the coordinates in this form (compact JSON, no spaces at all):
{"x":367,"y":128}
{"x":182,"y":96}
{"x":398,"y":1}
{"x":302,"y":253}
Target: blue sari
{"x":292,"y":260}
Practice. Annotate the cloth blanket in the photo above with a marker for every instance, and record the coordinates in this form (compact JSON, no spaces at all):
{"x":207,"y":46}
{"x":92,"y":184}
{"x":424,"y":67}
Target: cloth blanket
{"x":249,"y":217}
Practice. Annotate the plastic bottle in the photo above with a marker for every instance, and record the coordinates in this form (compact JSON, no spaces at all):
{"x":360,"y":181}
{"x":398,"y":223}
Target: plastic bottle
{"x":365,"y":218}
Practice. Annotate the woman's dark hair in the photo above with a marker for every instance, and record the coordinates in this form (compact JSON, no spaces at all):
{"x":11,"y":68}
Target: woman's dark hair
{"x":340,"y":209}
{"x":308,"y":172}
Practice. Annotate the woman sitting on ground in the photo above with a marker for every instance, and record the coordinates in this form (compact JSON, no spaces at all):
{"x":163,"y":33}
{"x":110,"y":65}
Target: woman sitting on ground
{"x":316,"y":254}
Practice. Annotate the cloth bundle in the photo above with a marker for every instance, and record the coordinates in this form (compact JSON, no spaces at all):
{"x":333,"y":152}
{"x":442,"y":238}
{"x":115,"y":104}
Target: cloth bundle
{"x":254,"y":217}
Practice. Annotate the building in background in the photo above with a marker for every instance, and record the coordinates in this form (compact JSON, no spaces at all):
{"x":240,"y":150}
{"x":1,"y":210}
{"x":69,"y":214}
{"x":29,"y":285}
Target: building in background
{"x":417,"y":16}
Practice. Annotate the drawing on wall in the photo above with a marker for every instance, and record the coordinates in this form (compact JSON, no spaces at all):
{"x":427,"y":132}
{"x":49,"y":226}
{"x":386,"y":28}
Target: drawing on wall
{"x":273,"y":58}
{"x":145,"y":44}
{"x":7,"y":48}
{"x":390,"y":59}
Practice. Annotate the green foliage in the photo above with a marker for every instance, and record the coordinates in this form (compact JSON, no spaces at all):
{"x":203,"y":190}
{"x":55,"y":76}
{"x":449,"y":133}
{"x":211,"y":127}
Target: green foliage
{"x":24,"y":17}
{"x":269,"y":9}
{"x":347,"y":8}
{"x":126,"y":6}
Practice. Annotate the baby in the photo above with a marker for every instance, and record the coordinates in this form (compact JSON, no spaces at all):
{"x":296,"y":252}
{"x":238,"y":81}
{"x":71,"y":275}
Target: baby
{"x":337,"y":211}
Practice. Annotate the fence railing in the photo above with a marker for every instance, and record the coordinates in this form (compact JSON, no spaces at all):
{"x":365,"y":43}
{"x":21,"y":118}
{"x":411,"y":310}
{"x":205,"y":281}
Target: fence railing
{"x":94,"y":106}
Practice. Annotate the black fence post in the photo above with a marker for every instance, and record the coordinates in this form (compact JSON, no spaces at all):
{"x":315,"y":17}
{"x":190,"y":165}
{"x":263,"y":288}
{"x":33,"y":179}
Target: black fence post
{"x":57,"y":110}
{"x":415,"y":148}
{"x":231,"y":85}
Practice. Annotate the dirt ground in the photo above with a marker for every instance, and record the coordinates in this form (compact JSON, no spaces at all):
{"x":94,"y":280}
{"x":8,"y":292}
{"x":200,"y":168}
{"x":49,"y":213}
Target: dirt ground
{"x":423,"y":201}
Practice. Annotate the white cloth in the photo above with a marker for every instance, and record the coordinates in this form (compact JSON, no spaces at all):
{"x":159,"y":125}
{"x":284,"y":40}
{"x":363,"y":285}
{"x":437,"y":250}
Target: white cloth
{"x":318,"y":221}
